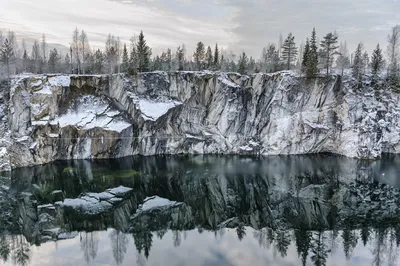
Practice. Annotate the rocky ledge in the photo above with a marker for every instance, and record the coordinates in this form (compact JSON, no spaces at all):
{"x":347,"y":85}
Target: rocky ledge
{"x":52,"y":118}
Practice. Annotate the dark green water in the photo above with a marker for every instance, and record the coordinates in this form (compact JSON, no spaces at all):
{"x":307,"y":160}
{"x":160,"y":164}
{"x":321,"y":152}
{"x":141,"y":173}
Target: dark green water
{"x":282,"y":210}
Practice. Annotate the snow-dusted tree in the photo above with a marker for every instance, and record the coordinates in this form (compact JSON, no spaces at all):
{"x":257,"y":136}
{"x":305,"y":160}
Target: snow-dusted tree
{"x":36,"y":57}
{"x":329,"y":47}
{"x":377,"y":62}
{"x":7,"y":57}
{"x":209,"y":58}
{"x":306,"y":56}
{"x":393,"y":52}
{"x":111,"y":53}
{"x":98,"y":61}
{"x":180,"y":57}
{"x":143,"y":54}
{"x":132,"y":68}
{"x":358,"y":63}
{"x":243,"y":61}
{"x":76,"y":50}
{"x":67,"y":63}
{"x":125,"y":59}
{"x":54,"y":61}
{"x":84,"y":49}
{"x":272,"y":59}
{"x":289,"y":51}
{"x":216,"y":58}
{"x":365,"y":62}
{"x":43,"y":47}
{"x":199,"y":55}
{"x":312,"y":68}
{"x":25,"y":61}
{"x":343,"y":60}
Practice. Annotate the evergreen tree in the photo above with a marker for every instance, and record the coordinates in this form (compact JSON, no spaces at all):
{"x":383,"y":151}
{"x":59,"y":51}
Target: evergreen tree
{"x":67,"y":63}
{"x":125,"y":59}
{"x":377,"y":62}
{"x":216,"y":58}
{"x":199,"y":55}
{"x":98,"y":61}
{"x":168,"y":60}
{"x":243,"y":61}
{"x":393,"y":52}
{"x":272,"y":59}
{"x":180,"y":56}
{"x":357,"y":67}
{"x":365,"y":62}
{"x":25,"y":61}
{"x":343,"y":60}
{"x":7,"y":57}
{"x":289,"y":51}
{"x":36,"y":57}
{"x":143,"y":54}
{"x":329,"y":47}
{"x":306,"y":56}
{"x":54,"y":61}
{"x":44,"y":53}
{"x":312,"y":68}
{"x":132,"y":68}
{"x":209,"y":57}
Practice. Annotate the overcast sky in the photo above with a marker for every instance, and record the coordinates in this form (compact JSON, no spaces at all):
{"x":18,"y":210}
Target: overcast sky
{"x":235,"y":24}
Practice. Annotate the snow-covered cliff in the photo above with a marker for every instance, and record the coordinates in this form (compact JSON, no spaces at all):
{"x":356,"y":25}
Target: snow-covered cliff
{"x":77,"y":117}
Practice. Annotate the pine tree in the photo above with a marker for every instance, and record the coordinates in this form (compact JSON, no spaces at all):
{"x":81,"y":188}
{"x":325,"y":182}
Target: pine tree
{"x":272,"y":59}
{"x":180,"y":56}
{"x":132,"y":64}
{"x":168,"y":60}
{"x":216,"y":58}
{"x":143,"y":54}
{"x":125,"y":59}
{"x":289,"y":51}
{"x":306,"y":56}
{"x":98,"y":61}
{"x":67,"y":63}
{"x":343,"y":60}
{"x":44,"y":53}
{"x":365,"y":62}
{"x":209,"y":57}
{"x":54,"y":61}
{"x":199,"y":55}
{"x":358,"y":66}
{"x":377,"y":61}
{"x":393,"y":52}
{"x":25,"y":61}
{"x":243,"y":61}
{"x":7,"y":57}
{"x":329,"y":47}
{"x":36,"y":57}
{"x":312,"y":68}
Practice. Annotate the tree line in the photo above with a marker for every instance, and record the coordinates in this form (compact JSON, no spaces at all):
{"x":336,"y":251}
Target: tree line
{"x":312,"y":58}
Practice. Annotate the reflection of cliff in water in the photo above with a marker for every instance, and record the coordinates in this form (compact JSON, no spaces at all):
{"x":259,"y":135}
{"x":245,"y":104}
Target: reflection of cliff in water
{"x":311,"y":201}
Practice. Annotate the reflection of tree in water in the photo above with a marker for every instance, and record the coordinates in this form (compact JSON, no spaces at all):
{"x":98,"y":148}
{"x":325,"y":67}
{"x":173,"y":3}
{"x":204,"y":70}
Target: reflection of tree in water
{"x":5,"y":249}
{"x":241,"y":231}
{"x":143,"y":240}
{"x":21,"y":251}
{"x":379,"y":246}
{"x":119,"y":243}
{"x":303,"y":244}
{"x":282,"y":241}
{"x":89,"y":245}
{"x":176,"y":236}
{"x":349,"y":240}
{"x":319,"y":249}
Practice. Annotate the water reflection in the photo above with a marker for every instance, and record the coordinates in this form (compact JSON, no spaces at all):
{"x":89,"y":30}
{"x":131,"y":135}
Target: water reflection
{"x":304,"y":210}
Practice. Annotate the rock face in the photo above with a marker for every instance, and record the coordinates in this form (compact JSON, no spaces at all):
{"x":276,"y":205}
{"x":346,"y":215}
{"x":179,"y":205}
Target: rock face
{"x":79,"y":117}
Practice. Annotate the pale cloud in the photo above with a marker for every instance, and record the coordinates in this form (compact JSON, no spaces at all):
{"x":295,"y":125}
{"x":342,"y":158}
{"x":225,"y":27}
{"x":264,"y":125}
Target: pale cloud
{"x":239,"y":25}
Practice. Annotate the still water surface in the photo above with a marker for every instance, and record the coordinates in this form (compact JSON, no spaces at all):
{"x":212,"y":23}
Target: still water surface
{"x":283,"y":210}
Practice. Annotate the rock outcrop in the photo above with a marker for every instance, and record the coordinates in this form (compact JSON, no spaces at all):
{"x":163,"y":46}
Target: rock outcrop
{"x":82,"y":117}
